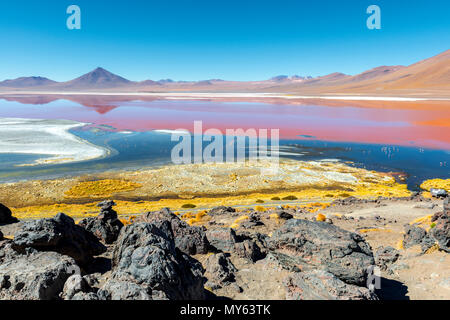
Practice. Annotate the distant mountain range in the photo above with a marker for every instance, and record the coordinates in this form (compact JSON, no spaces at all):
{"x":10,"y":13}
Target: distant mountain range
{"x":427,"y":77}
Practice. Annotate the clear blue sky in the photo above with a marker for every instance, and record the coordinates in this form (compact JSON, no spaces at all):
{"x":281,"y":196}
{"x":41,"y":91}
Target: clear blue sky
{"x":227,"y":39}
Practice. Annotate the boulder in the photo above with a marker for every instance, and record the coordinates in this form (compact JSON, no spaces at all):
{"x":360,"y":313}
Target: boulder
{"x":414,"y":235}
{"x":220,"y":210}
{"x":222,"y":239}
{"x":253,"y":221}
{"x":284,"y":215}
{"x":147,"y":265}
{"x":319,"y":245}
{"x":83,"y":296}
{"x":117,"y":289}
{"x":33,"y":275}
{"x":189,"y":239}
{"x":59,"y":234}
{"x":438,"y":193}
{"x":322,"y":285}
{"x":386,"y":256}
{"x":249,"y":250}
{"x":219,"y":269}
{"x":441,"y":230}
{"x":6,"y":215}
{"x":74,"y":285}
{"x":106,"y":226}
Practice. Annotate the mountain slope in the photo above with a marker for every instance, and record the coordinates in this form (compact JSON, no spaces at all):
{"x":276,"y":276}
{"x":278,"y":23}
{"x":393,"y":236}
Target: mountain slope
{"x":97,"y":79}
{"x":432,"y":73}
{"x":23,"y":82}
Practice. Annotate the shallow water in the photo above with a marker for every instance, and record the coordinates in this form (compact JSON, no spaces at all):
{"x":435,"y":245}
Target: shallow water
{"x":379,"y":139}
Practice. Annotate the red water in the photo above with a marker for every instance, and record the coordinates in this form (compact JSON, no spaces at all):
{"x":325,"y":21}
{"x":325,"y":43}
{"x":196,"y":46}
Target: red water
{"x":396,"y":126}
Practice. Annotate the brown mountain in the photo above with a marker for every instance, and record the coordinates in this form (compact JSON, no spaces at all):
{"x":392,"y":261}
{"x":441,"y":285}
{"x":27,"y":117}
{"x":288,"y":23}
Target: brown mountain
{"x":97,"y":79}
{"x":375,"y":73}
{"x":429,"y":75}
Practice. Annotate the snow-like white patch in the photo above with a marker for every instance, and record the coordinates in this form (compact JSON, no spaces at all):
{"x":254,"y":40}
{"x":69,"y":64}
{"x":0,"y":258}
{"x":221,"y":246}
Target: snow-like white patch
{"x":172,"y":131}
{"x":46,"y":137}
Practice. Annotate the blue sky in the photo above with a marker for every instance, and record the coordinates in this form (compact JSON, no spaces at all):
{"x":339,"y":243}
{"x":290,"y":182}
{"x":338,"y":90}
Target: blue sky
{"x":227,"y":39}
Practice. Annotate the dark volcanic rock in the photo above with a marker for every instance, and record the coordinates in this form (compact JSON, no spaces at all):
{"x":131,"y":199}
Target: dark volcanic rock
{"x":248,"y":249}
{"x":319,"y":245}
{"x":221,"y":210}
{"x":441,"y":230}
{"x":189,"y":239}
{"x":284,"y":215}
{"x":413,"y":236}
{"x":106,"y":226}
{"x":117,"y":289}
{"x":386,"y":256}
{"x":219,"y":269}
{"x":347,"y":201}
{"x":222,"y":239}
{"x":33,"y":275}
{"x":147,"y":265}
{"x":254,"y":220}
{"x":59,"y":234}
{"x":322,"y":285}
{"x":6,"y":215}
{"x":77,"y":288}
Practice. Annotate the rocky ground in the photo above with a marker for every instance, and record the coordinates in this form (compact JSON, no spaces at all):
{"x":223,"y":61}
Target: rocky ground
{"x":292,"y":252}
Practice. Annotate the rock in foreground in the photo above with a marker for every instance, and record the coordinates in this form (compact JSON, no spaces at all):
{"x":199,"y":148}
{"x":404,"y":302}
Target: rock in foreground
{"x":147,"y":265}
{"x":59,"y":234}
{"x":322,"y":285}
{"x":106,"y":226}
{"x":319,"y":245}
{"x":6,"y":215}
{"x":441,"y":230}
{"x":33,"y":275}
{"x":189,"y":239}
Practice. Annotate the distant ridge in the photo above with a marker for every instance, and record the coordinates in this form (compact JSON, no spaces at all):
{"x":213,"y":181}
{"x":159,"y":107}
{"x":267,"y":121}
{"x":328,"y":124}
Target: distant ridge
{"x":23,"y":82}
{"x":429,"y":77}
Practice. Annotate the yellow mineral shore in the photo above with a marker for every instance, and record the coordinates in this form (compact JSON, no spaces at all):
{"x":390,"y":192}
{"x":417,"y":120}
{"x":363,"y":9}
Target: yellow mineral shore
{"x":200,"y":185}
{"x":102,"y":188}
{"x":436,"y":183}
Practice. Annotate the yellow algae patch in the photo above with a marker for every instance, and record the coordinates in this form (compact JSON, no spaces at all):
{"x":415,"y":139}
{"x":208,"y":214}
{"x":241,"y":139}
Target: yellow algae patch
{"x":199,"y":217}
{"x":128,"y":221}
{"x":321,"y":217}
{"x":274,"y":216}
{"x":400,"y":245}
{"x":436,"y":183}
{"x":426,"y":219}
{"x":427,"y":195}
{"x":236,"y":222}
{"x":433,"y":248}
{"x":373,"y":230}
{"x":296,"y":180}
{"x":260,"y":209}
{"x":100,"y":188}
{"x":233,"y":176}
{"x":424,"y":222}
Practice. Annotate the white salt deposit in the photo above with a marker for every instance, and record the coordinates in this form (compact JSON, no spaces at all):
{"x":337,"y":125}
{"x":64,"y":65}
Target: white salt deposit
{"x":50,"y":138}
